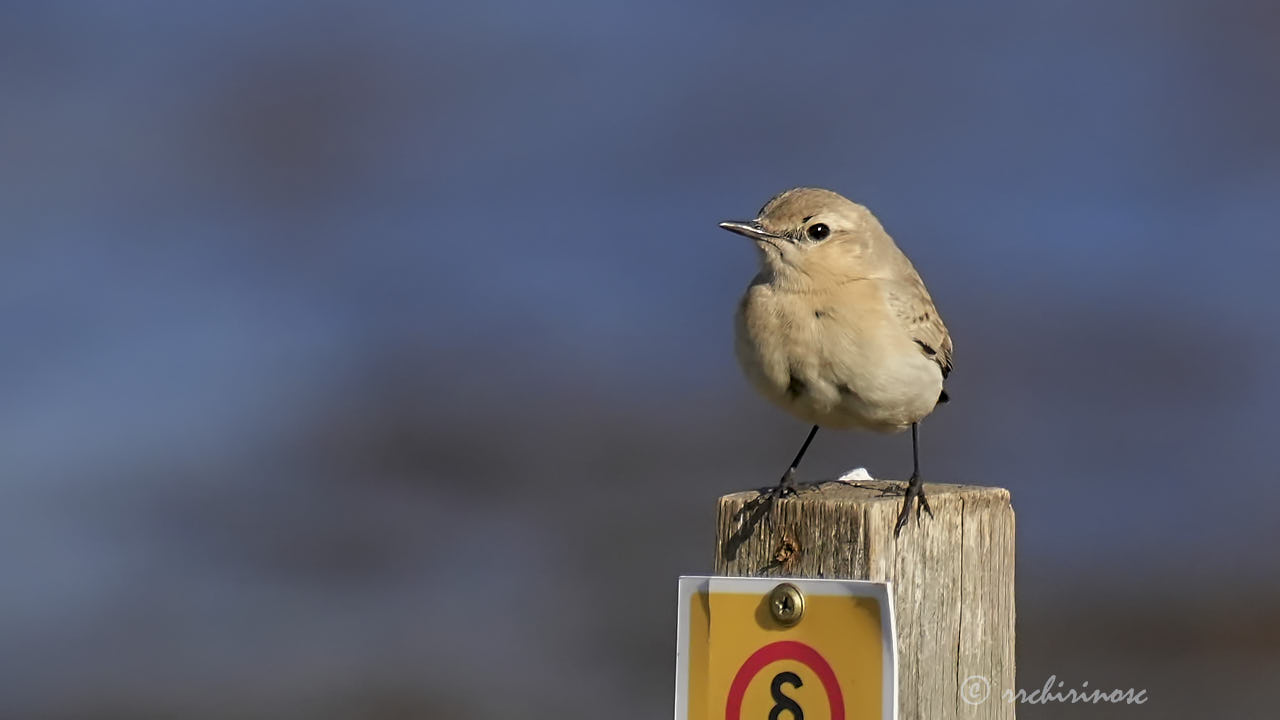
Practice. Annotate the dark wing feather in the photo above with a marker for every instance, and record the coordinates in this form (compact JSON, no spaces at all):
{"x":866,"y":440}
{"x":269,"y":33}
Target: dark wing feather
{"x":914,"y":308}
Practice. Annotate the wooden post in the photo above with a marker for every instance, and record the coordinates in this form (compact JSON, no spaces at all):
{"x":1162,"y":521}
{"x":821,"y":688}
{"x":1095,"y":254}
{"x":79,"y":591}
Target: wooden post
{"x":952,"y":579}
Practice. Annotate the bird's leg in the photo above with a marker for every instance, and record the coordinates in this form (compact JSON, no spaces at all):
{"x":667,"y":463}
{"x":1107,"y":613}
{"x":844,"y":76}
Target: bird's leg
{"x":915,"y":487}
{"x":787,"y":485}
{"x":750,"y":513}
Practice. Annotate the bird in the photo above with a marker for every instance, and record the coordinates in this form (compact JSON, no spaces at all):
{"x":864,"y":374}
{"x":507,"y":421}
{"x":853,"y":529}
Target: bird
{"x":838,"y":329}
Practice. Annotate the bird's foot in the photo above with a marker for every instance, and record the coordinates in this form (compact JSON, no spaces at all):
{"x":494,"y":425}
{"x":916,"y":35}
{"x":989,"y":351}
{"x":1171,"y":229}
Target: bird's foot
{"x":751,"y":511}
{"x":892,"y":490}
{"x":914,"y":491}
{"x":786,"y":487}
{"x":886,"y":488}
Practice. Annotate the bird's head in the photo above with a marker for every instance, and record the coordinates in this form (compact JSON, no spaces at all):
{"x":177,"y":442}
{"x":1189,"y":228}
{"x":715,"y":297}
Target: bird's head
{"x":810,"y":234}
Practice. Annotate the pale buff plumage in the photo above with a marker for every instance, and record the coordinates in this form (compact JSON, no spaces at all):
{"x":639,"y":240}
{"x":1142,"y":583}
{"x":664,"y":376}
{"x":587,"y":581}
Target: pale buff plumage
{"x":837,"y":327}
{"x":841,"y":332}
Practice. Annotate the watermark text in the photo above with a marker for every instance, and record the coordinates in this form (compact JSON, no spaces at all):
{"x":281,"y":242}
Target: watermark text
{"x":976,"y":689}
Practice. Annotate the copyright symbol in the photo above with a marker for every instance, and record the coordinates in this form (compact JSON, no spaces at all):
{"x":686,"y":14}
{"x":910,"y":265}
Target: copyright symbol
{"x":975,"y":689}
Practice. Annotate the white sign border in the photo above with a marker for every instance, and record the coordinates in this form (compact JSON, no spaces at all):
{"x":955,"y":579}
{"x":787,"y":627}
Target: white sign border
{"x":881,"y":591}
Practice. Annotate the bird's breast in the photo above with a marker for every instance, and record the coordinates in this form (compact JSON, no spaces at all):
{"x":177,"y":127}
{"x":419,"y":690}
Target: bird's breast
{"x":835,"y":360}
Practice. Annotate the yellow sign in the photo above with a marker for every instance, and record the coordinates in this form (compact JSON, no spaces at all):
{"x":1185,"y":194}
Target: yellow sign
{"x":779,"y":649}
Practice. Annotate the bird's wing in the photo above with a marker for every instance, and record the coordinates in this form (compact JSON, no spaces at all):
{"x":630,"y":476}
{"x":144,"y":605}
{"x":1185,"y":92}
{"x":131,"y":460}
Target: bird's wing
{"x":911,"y":304}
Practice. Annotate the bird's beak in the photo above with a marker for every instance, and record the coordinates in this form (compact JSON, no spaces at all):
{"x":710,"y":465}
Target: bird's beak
{"x":750,"y":228}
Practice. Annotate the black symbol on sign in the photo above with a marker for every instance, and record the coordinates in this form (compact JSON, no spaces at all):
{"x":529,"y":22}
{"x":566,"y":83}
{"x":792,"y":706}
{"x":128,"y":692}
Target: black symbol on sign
{"x":782,"y":702}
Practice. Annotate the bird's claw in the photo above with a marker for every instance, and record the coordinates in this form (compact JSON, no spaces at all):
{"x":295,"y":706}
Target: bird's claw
{"x":786,"y":487}
{"x":913,"y":491}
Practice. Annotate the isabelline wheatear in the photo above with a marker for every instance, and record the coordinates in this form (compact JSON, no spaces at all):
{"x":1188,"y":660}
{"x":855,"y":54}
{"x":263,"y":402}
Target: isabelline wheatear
{"x":837,"y":327}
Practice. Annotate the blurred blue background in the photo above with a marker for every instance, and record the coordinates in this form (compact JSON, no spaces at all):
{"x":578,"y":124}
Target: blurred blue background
{"x":374,"y":360}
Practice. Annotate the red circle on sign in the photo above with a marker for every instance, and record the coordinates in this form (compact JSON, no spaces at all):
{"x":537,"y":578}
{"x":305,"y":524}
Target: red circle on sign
{"x":784,"y":650}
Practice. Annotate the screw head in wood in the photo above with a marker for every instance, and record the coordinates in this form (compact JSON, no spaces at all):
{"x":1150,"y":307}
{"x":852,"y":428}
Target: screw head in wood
{"x":786,"y":604}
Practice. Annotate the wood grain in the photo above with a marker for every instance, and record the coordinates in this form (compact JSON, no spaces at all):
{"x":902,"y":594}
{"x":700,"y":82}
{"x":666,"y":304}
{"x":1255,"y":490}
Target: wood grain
{"x":952,"y":577}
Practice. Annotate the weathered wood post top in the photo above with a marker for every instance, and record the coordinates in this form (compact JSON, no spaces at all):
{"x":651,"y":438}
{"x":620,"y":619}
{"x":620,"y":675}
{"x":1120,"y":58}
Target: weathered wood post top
{"x":952,"y":578}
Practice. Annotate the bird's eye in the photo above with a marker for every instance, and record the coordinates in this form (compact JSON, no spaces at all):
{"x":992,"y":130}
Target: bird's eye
{"x":818,"y":231}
